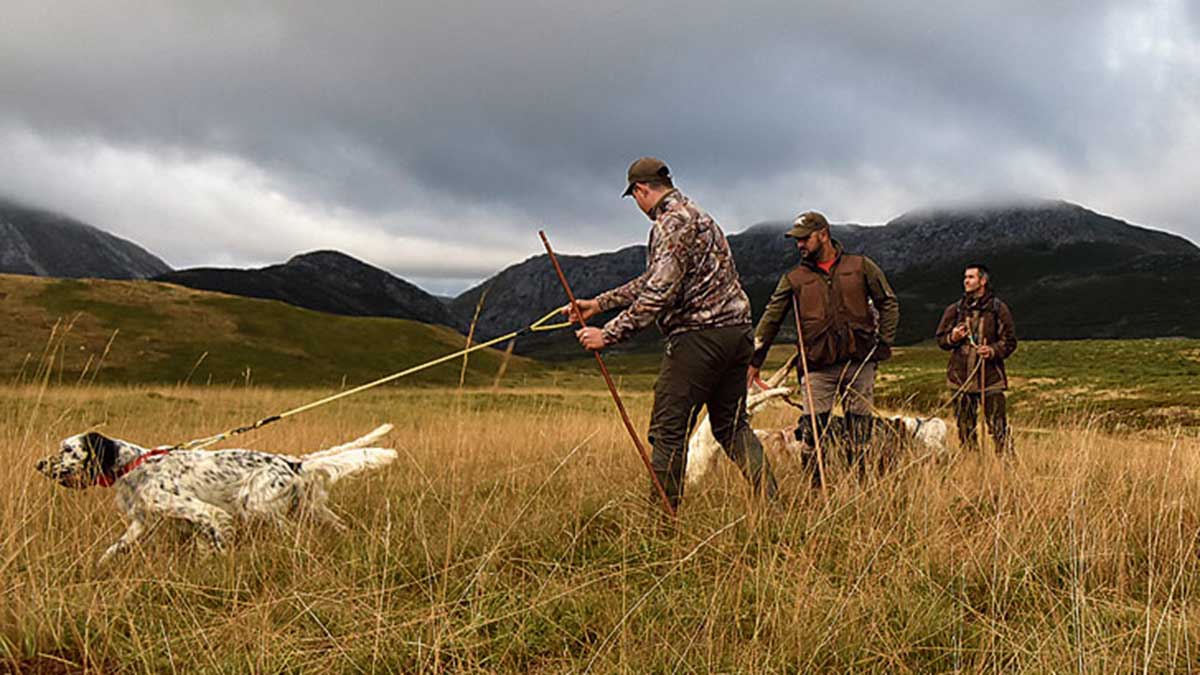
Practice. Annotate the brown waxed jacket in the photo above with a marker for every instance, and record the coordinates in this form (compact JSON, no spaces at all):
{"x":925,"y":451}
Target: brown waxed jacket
{"x":990,"y":323}
{"x":838,"y":323}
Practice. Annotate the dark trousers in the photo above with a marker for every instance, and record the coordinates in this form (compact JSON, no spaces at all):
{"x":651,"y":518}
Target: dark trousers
{"x":966,"y":410}
{"x":705,"y":368}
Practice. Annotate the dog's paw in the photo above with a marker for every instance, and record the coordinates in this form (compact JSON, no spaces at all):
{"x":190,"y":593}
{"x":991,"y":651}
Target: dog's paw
{"x":109,"y":553}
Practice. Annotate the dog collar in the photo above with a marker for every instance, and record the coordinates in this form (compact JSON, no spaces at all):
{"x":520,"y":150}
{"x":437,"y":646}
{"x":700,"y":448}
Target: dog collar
{"x":104,"y":480}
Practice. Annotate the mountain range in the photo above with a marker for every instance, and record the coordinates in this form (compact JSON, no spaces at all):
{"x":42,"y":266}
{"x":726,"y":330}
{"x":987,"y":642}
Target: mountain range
{"x":43,"y":243}
{"x":326,"y":281}
{"x":1066,"y":271}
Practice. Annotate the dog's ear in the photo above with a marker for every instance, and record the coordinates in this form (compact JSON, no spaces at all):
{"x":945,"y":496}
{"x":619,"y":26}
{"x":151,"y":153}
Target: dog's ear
{"x":102,"y":452}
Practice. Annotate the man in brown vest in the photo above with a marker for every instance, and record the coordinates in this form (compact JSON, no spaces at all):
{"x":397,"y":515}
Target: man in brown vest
{"x":848,"y":317}
{"x":978,"y":332}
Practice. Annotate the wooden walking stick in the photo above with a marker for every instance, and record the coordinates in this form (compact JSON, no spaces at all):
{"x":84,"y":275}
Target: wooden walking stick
{"x":983,"y":423}
{"x":812,"y":412}
{"x":612,"y":388}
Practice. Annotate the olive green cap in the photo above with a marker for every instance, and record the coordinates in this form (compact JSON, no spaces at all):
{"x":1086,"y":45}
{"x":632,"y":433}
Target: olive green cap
{"x":806,"y":223}
{"x":645,"y":170}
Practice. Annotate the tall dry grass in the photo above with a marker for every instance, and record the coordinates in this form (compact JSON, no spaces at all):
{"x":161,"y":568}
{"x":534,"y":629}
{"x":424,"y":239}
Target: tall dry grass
{"x":516,"y":534}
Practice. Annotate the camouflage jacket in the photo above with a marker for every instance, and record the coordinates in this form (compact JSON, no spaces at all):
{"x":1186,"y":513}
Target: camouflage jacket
{"x":690,"y":280}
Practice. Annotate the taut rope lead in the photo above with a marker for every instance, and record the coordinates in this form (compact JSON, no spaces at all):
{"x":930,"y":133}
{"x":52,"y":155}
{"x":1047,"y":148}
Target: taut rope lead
{"x":537,"y":326}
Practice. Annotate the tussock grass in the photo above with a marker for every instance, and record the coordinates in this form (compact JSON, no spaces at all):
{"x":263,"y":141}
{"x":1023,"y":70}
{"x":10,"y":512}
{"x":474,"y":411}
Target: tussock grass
{"x":516,"y":534}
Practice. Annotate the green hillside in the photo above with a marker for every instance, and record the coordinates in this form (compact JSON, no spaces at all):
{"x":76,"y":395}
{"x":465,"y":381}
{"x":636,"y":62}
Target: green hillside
{"x":149,"y":332}
{"x":1116,"y":384}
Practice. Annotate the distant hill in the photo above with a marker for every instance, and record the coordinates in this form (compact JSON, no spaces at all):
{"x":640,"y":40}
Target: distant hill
{"x":326,"y":281}
{"x":43,"y":243}
{"x":163,"y":333}
{"x":1067,"y":272}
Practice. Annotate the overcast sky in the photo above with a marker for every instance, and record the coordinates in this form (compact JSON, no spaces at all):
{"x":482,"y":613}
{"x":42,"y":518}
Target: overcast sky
{"x":435,"y":139}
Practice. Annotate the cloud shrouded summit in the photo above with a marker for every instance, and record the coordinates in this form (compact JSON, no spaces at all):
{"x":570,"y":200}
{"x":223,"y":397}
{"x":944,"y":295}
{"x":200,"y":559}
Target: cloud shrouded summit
{"x":435,"y":139}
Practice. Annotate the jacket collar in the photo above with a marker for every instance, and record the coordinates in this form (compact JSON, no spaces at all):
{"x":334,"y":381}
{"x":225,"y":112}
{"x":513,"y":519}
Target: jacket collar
{"x":665,"y":202}
{"x":982,"y":302}
{"x":837,"y":257}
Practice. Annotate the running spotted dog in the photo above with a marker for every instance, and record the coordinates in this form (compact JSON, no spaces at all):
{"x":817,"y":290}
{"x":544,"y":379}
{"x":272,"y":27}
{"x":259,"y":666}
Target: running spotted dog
{"x":209,"y":489}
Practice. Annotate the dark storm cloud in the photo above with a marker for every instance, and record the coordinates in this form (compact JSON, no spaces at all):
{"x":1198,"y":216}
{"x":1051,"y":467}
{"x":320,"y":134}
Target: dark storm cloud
{"x":436,"y":138}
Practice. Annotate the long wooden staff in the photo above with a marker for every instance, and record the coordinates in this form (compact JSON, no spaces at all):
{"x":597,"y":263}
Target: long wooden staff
{"x":812,"y":411}
{"x":983,"y":419}
{"x":612,"y":388}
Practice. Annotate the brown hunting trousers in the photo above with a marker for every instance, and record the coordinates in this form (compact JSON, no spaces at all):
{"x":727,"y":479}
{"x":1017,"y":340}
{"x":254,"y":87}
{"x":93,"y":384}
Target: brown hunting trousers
{"x":966,"y":410}
{"x":705,"y":368}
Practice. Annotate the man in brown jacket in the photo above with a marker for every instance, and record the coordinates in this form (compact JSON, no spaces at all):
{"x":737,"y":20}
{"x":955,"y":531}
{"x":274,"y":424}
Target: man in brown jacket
{"x":978,"y":332}
{"x":848,"y":314}
{"x":691,"y":290}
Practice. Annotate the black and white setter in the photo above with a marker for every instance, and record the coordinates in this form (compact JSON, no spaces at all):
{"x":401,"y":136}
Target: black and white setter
{"x":209,"y":489}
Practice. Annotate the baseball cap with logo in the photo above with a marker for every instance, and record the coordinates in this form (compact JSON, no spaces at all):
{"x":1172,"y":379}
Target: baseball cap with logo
{"x":645,"y":170}
{"x":806,"y":223}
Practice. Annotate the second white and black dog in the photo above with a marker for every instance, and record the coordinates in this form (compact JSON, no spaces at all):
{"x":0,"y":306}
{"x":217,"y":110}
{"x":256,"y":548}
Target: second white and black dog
{"x":896,"y":433}
{"x":209,"y":489}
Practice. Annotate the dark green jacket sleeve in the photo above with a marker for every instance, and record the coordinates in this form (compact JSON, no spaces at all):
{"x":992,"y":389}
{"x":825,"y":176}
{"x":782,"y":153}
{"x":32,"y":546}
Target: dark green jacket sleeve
{"x":885,"y":301}
{"x":772,"y":319}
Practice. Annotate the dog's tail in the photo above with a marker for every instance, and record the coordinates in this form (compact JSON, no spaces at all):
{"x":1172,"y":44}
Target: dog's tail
{"x":758,"y":399}
{"x":348,"y":462}
{"x":363,"y":442}
{"x":350,"y":458}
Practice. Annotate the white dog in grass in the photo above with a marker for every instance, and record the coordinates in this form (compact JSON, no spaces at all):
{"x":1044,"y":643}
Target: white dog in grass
{"x":704,"y":450}
{"x":209,"y":489}
{"x":898,"y":432}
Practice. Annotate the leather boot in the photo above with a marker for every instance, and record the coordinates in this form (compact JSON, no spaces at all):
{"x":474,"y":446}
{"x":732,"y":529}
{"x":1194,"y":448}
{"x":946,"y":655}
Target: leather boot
{"x":804,"y":434}
{"x":858,"y":447}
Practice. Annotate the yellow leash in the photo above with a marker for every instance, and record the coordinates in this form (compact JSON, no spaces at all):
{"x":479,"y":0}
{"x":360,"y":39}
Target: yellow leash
{"x":537,"y":326}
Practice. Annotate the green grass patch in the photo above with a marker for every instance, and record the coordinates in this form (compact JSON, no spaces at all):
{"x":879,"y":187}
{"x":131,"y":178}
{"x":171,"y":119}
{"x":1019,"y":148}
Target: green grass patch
{"x":162,"y":333}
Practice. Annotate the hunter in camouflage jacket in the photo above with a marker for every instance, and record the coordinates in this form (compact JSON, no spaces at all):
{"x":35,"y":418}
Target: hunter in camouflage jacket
{"x":690,"y":281}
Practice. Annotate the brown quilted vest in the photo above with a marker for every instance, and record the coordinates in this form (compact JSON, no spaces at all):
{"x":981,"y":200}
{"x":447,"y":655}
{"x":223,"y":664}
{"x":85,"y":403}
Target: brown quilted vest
{"x":837,"y":322}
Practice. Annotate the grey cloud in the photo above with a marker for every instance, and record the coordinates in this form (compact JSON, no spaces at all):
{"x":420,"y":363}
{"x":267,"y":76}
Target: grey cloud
{"x":408,"y":116}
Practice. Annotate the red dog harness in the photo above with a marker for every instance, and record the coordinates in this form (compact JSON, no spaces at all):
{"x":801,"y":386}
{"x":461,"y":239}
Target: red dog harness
{"x":104,"y":480}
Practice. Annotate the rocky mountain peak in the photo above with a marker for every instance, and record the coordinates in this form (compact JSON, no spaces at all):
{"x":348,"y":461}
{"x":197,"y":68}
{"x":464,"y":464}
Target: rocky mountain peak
{"x":326,"y":281}
{"x":328,"y":259}
{"x":44,"y":243}
{"x":1049,"y":253}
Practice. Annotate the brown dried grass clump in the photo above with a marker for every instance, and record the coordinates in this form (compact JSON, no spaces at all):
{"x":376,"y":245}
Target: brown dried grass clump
{"x":515,"y":534}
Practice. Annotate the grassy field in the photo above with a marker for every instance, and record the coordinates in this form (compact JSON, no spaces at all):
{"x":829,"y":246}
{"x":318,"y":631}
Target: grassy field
{"x":515,"y":534}
{"x":1119,"y":384}
{"x":140,"y":333}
